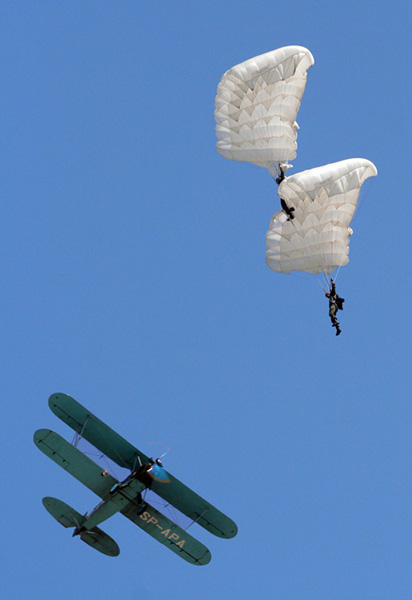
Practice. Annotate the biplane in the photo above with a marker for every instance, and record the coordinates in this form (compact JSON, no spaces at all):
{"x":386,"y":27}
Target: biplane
{"x":127,"y":496}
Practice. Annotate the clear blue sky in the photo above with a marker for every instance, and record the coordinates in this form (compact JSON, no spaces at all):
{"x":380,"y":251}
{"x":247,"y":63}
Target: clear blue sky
{"x":134,"y":279}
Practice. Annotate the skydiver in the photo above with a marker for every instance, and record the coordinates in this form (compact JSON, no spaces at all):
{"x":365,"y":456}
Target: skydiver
{"x":335,"y":304}
{"x":281,"y":176}
{"x":282,"y":173}
{"x":289,"y":210}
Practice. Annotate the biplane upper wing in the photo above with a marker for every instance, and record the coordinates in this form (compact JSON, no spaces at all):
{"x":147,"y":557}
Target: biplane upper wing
{"x":96,"y":432}
{"x":125,"y":454}
{"x":168,"y":533}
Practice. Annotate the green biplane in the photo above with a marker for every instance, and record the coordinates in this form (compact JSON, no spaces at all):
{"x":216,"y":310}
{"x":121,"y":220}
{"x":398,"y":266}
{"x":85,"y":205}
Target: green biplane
{"x":125,"y":496}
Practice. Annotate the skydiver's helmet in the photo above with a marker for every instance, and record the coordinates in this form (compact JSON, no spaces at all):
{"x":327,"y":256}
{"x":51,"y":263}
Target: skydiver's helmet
{"x":327,"y":294}
{"x":159,"y":462}
{"x":278,"y":180}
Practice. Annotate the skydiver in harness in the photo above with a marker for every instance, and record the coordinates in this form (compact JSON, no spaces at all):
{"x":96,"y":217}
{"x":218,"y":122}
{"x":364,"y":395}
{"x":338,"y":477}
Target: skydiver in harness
{"x":335,"y":304}
{"x":289,"y":210}
{"x":282,"y":173}
{"x":281,"y":176}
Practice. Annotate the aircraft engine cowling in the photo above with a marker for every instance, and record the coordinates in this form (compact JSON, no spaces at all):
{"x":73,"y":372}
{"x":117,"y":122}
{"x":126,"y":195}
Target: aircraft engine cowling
{"x":158,"y":473}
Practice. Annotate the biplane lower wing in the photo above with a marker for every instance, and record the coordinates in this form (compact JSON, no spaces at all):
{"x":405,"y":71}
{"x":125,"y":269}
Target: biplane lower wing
{"x":124,"y":454}
{"x":196,"y":508}
{"x":74,"y":462}
{"x":168,"y":533}
{"x":96,"y":432}
{"x":68,"y":517}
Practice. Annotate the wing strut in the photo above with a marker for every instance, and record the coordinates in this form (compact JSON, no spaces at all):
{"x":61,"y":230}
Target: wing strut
{"x":78,"y":436}
{"x":137,"y":460}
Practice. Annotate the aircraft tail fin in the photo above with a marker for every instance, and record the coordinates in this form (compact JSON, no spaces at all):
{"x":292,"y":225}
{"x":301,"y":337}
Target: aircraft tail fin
{"x":68,"y":517}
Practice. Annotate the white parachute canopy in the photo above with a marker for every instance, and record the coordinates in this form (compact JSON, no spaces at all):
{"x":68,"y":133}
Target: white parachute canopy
{"x":316,"y":240}
{"x":256,"y":106}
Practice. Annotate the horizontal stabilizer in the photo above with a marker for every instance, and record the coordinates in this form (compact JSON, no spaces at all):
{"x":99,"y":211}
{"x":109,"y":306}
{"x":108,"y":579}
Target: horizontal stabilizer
{"x":68,"y":517}
{"x":63,"y":513}
{"x":99,"y":540}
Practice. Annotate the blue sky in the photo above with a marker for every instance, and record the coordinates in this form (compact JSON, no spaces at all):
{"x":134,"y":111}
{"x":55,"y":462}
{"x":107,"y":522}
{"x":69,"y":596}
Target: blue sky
{"x":134,"y":279}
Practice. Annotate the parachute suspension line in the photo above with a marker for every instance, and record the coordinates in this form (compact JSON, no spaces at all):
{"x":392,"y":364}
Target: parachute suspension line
{"x":274,"y":169}
{"x":364,"y":195}
{"x":322,"y":287}
{"x":337,"y":272}
{"x":298,"y":275}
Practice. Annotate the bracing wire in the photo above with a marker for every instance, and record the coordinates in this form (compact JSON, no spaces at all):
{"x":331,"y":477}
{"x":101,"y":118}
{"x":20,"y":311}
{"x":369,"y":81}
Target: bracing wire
{"x":109,"y":464}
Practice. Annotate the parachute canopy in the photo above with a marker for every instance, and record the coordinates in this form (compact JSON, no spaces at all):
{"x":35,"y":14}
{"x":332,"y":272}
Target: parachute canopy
{"x":316,"y":240}
{"x":256,"y":106}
